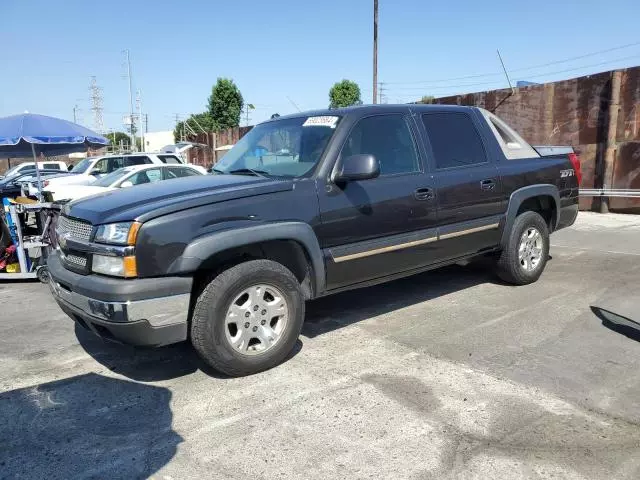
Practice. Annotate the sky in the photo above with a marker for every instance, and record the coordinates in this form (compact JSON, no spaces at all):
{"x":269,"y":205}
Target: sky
{"x":285,"y":55}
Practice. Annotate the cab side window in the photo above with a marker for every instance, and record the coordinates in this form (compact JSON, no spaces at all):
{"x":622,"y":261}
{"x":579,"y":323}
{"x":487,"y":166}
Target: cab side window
{"x":389,"y":139}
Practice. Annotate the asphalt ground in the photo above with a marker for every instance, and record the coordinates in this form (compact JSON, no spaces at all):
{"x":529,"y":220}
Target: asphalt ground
{"x":448,"y":374}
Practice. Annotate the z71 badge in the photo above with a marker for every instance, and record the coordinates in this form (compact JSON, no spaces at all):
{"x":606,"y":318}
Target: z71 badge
{"x":567,"y":173}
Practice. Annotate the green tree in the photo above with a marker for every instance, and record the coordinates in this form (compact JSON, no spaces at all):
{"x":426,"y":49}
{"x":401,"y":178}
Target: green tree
{"x":116,"y":137}
{"x":344,"y":94}
{"x":195,"y":123}
{"x":225,"y":104}
{"x":428,"y":99}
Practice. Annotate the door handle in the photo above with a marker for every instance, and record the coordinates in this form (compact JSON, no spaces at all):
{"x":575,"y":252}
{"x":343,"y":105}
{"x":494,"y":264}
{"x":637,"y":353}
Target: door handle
{"x":488,"y":184}
{"x":423,"y":194}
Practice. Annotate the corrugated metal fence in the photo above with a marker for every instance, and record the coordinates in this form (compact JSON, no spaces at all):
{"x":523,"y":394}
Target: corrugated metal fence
{"x":575,"y":112}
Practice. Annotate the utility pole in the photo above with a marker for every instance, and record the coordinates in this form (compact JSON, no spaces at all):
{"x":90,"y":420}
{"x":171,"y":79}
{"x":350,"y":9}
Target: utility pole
{"x":139,"y":105}
{"x":75,"y":120}
{"x":146,"y":123}
{"x":132,"y":123}
{"x":610,"y":146}
{"x":375,"y":51}
{"x":96,"y":106}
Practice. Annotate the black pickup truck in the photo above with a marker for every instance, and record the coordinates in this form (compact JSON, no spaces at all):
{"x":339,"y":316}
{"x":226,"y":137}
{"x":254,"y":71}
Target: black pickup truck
{"x":306,"y":206}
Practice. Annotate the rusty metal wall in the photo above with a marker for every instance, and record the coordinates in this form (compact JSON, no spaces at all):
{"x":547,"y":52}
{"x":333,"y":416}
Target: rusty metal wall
{"x":207,"y":156}
{"x":574,"y":112}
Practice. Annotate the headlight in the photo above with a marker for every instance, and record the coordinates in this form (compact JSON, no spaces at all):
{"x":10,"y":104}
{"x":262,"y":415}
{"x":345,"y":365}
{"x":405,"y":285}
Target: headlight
{"x":114,"y":266}
{"x":118,"y":233}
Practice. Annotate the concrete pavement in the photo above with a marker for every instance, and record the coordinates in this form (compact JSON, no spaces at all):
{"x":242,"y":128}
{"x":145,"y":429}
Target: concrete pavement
{"x":449,"y":374}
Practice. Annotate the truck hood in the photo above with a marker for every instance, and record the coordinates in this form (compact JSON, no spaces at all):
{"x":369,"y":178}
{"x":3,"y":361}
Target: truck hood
{"x":144,"y":202}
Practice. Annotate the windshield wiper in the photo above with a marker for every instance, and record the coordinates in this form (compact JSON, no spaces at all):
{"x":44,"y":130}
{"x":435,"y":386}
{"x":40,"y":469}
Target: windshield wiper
{"x":217,"y":170}
{"x":251,"y":171}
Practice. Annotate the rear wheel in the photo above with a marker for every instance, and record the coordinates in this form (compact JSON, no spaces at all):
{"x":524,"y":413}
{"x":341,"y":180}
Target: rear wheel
{"x":524,"y":257}
{"x":248,"y":318}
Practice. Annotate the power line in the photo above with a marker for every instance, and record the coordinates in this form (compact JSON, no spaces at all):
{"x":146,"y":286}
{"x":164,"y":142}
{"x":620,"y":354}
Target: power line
{"x":584,"y":66}
{"x":592,"y":54}
{"x":522,"y":69}
{"x":439,"y":87}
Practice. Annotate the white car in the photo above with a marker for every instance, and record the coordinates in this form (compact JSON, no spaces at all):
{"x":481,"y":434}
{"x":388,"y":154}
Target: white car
{"x":90,"y":170}
{"x":26,"y":167}
{"x":122,"y":178}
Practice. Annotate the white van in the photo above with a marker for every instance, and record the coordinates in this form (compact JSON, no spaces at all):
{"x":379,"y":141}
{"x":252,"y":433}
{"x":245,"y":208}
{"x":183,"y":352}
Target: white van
{"x":30,"y":167}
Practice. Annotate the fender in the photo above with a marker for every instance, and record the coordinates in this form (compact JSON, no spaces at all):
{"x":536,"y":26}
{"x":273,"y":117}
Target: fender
{"x":522,"y":194}
{"x":202,"y":248}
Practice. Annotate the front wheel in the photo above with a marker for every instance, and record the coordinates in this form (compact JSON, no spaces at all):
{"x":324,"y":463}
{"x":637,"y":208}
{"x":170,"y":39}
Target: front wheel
{"x":525,"y":255}
{"x":248,"y":318}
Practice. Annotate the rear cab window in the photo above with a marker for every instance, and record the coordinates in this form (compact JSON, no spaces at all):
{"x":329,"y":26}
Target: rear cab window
{"x":52,"y":166}
{"x":513,"y":146}
{"x":454,"y":140}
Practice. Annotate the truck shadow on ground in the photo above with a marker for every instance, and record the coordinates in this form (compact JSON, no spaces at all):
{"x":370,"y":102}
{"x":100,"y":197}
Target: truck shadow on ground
{"x":88,"y":426}
{"x":322,"y":316}
{"x":343,"y":309}
{"x":149,"y":364}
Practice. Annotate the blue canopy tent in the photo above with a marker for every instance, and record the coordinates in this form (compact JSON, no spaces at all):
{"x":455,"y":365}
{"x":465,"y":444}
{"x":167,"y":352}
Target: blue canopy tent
{"x":28,"y":134}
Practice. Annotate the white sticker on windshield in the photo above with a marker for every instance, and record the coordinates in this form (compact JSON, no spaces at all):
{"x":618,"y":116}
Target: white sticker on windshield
{"x":324,"y":121}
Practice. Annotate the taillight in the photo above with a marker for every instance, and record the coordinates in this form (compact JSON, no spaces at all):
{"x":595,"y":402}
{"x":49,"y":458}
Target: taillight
{"x":575,"y":161}
{"x":45,"y":183}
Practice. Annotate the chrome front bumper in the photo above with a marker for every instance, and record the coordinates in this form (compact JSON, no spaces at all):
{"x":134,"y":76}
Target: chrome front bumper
{"x":158,"y":312}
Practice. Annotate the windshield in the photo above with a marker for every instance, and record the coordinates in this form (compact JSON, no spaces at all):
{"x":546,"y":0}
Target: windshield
{"x":82,"y":166}
{"x":287,"y":148}
{"x":111,"y":178}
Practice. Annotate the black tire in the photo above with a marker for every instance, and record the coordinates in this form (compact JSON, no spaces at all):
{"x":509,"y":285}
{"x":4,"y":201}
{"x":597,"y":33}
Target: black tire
{"x":509,"y":267}
{"x":208,"y":327}
{"x":43,"y":274}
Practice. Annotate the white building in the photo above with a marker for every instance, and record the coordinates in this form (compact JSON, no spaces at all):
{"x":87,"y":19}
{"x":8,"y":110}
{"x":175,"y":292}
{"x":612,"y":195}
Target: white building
{"x":154,"y":141}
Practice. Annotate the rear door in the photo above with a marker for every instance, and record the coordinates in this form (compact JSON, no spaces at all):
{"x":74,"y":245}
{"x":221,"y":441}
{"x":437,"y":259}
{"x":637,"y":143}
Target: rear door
{"x":468,"y":186}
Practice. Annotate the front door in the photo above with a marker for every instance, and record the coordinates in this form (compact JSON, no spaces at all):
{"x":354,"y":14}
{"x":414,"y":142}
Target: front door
{"x":469,"y":188}
{"x":374,"y":228}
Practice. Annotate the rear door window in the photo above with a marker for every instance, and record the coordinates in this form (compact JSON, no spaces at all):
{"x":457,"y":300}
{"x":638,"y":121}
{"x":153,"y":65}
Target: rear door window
{"x":178,"y":172}
{"x":152,"y":175}
{"x":455,"y":142}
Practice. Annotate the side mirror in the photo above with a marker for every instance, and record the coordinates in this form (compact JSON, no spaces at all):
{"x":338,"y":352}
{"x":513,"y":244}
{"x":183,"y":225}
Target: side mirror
{"x":126,"y":184}
{"x":94,"y":171}
{"x":357,"y":167}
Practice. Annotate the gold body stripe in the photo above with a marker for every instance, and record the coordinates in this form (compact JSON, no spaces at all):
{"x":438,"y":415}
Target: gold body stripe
{"x":390,"y":248}
{"x":401,"y":246}
{"x":468,"y":231}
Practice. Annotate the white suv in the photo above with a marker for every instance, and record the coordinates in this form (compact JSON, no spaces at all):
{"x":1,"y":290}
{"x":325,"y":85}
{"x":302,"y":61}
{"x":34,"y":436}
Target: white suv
{"x":91,"y":169}
{"x":26,"y":167}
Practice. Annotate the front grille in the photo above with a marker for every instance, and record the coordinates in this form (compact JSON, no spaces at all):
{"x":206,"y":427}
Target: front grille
{"x":75,"y":228}
{"x":75,"y":260}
